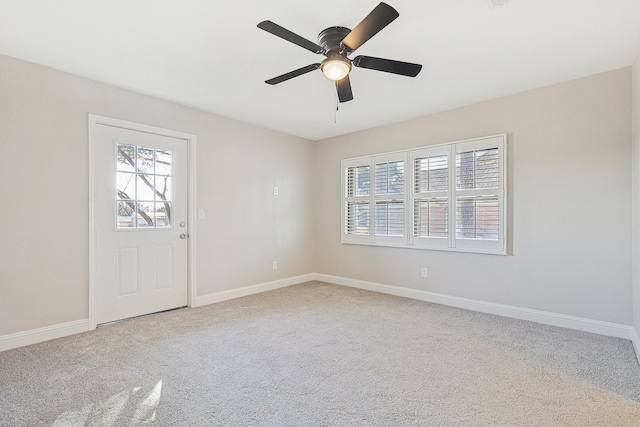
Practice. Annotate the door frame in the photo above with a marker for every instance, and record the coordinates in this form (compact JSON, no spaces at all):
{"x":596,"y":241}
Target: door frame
{"x":96,"y":120}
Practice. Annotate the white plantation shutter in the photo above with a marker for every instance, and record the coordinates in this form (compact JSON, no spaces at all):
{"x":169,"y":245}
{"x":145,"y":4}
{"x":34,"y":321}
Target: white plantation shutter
{"x":390,"y":213}
{"x":479,"y":195}
{"x":357,"y":218}
{"x":431,"y":172}
{"x":356,"y":200}
{"x":478,"y":217}
{"x":389,"y":218}
{"x":431,"y":218}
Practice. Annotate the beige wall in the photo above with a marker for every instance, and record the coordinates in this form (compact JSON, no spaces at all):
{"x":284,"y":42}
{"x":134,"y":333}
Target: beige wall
{"x":636,"y":198}
{"x":569,"y":202}
{"x":45,"y":192}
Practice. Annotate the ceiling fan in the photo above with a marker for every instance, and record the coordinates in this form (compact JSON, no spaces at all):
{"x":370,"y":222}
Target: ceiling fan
{"x":337,"y":43}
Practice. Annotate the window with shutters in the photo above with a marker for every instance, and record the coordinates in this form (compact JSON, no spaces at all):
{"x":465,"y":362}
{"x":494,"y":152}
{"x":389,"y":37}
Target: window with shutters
{"x":449,"y":197}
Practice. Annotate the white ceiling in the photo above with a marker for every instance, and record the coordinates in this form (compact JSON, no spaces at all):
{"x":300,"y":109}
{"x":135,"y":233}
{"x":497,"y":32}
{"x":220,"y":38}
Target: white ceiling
{"x":210,"y":55}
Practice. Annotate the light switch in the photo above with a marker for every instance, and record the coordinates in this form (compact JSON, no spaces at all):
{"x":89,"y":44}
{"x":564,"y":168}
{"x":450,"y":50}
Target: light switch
{"x":201,"y":214}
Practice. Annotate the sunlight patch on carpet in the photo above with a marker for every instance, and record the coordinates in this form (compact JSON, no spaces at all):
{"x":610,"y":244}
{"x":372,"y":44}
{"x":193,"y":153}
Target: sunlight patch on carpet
{"x":132,"y":406}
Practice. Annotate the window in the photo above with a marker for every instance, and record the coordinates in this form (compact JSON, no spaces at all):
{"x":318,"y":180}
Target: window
{"x":448,"y":197}
{"x":143,"y":198}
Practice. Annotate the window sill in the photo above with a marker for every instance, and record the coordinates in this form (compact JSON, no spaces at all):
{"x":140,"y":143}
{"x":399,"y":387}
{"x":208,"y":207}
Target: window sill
{"x":423,"y":248}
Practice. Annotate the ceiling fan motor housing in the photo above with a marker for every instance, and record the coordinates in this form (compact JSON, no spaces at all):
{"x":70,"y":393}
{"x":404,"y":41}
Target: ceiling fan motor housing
{"x":330,"y":39}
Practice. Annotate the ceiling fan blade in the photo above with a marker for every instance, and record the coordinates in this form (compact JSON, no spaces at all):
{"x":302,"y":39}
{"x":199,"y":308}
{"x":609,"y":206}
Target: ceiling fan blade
{"x":344,"y":89}
{"x":292,"y":74}
{"x":387,"y":65}
{"x":381,"y":16}
{"x":289,"y":36}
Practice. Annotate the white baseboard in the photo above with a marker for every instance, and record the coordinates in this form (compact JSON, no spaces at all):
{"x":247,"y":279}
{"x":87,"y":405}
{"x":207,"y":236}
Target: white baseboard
{"x":34,"y":336}
{"x":636,"y":343}
{"x":253,"y":289}
{"x":544,"y":317}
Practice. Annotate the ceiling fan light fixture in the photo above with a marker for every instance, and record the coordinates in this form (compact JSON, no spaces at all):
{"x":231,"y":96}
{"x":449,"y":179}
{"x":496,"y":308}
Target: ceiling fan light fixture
{"x":336,"y":67}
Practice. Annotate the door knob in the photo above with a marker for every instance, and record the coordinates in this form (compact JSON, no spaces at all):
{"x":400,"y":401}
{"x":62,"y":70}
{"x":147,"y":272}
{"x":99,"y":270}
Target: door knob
{"x":183,"y":236}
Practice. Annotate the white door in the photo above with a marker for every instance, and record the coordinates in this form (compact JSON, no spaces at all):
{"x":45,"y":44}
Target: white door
{"x":140,"y":196}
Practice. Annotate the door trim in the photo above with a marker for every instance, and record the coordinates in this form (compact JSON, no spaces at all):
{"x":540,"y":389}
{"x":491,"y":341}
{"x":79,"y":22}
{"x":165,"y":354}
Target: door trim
{"x":94,"y":121}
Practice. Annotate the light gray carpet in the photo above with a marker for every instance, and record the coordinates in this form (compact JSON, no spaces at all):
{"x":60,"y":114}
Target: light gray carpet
{"x":322,"y":355}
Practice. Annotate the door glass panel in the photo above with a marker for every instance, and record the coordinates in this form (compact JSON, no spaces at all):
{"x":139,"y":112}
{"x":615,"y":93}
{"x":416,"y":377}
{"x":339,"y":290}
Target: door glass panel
{"x":126,"y":185}
{"x":145,"y":159}
{"x":146,"y":216}
{"x":163,"y":188}
{"x":126,"y":215}
{"x":163,"y":162}
{"x":144,"y":187}
{"x":163,"y":215}
{"x":126,"y":156}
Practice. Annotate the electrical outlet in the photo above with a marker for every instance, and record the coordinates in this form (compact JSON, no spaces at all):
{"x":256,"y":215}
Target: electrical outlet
{"x":424,"y":272}
{"x":276,"y":191}
{"x":275,"y":265}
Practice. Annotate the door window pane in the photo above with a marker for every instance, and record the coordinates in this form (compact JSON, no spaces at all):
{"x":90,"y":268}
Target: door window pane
{"x":146,"y":187}
{"x":126,"y":215}
{"x":146,"y":216}
{"x":145,"y":157}
{"x":163,"y":215}
{"x":126,"y":157}
{"x":126,"y":185}
{"x":163,"y":162}
{"x":163,"y":188}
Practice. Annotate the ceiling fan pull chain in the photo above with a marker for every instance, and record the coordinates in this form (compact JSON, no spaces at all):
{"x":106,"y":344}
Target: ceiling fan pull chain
{"x":335,"y":112}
